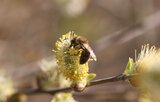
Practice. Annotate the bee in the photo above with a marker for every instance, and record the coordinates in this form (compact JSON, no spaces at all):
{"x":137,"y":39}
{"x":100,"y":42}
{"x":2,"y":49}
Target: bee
{"x":80,"y":42}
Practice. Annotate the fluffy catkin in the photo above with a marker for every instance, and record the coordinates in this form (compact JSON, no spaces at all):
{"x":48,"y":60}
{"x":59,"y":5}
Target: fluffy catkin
{"x":68,"y":59}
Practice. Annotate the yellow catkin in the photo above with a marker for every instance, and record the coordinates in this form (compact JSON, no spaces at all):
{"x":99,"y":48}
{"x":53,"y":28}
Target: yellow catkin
{"x":147,"y":65}
{"x":68,"y":59}
{"x":148,"y":59}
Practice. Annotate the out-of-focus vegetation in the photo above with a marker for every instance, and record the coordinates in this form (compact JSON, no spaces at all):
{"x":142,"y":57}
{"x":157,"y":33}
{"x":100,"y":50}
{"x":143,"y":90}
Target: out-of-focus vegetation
{"x":146,"y":68}
{"x":29,"y":29}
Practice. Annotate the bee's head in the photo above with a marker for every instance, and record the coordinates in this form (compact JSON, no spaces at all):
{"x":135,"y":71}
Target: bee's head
{"x":74,"y":42}
{"x":77,"y":42}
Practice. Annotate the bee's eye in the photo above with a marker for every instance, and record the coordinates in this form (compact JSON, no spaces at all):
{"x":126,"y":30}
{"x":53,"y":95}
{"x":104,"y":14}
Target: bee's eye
{"x":74,"y":42}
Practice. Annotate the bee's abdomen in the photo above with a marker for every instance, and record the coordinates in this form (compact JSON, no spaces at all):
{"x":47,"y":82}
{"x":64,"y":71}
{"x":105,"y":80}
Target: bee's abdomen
{"x":84,"y":56}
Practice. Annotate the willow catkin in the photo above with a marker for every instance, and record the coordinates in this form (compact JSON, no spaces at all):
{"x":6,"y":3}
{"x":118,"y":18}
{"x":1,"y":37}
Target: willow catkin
{"x":68,"y":59}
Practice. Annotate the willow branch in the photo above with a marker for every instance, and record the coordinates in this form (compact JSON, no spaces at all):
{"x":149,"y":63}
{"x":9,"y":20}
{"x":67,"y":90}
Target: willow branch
{"x":120,"y":77}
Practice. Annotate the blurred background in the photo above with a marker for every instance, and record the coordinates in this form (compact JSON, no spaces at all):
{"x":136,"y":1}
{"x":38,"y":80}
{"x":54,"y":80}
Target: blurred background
{"x":114,"y":28}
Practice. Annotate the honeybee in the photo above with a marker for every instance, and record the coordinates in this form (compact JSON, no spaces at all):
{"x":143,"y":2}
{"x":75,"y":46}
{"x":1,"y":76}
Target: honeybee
{"x":80,"y":42}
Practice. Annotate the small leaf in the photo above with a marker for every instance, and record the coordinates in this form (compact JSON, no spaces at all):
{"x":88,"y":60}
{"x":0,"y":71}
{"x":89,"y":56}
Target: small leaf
{"x":129,"y":68}
{"x":91,"y":76}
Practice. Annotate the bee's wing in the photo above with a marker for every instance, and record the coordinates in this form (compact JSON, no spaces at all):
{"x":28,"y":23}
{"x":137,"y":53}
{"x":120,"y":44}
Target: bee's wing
{"x":91,"y":51}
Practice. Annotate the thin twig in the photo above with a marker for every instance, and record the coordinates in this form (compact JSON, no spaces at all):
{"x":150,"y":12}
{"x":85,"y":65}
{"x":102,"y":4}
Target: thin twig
{"x":110,"y":79}
{"x":92,"y":83}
